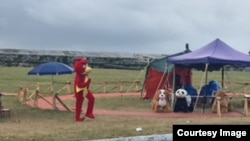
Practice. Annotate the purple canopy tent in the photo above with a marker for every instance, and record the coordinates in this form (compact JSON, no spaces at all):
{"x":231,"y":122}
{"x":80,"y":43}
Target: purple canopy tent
{"x":216,"y":53}
{"x":213,"y":56}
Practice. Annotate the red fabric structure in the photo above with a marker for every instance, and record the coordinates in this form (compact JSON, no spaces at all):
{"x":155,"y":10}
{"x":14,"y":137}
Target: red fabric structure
{"x":82,"y":91}
{"x":154,"y":80}
{"x":157,"y":80}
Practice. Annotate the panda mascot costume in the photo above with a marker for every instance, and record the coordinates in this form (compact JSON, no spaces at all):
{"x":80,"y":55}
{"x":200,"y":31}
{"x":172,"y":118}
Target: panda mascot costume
{"x":183,"y":101}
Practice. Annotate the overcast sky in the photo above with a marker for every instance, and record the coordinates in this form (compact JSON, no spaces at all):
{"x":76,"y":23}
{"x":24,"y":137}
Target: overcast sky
{"x":133,"y":26}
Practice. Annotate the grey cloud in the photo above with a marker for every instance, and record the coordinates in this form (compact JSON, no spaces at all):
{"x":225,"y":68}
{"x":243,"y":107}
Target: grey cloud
{"x":122,"y":25}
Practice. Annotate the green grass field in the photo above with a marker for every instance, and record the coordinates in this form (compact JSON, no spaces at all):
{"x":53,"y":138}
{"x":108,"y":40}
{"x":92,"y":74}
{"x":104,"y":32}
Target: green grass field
{"x":32,"y":124}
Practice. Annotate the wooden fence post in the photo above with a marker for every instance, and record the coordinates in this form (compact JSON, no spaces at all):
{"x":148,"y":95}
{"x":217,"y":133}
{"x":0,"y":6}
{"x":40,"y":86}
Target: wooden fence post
{"x":20,"y":93}
{"x":25,"y":93}
{"x":52,"y":88}
{"x":38,"y":86}
{"x":36,"y":97}
{"x":68,"y":87}
{"x":137,"y":86}
{"x":218,"y":106}
{"x":246,"y":104}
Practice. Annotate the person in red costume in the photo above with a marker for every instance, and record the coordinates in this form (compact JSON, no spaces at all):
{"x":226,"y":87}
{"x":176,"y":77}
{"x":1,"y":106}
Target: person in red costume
{"x":81,"y":89}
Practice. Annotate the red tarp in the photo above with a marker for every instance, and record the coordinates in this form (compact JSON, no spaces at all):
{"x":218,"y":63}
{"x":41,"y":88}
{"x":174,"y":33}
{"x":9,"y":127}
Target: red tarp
{"x":157,"y":80}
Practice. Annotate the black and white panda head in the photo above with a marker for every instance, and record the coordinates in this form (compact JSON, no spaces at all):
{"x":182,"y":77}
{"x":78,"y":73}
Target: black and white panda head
{"x":181,"y":93}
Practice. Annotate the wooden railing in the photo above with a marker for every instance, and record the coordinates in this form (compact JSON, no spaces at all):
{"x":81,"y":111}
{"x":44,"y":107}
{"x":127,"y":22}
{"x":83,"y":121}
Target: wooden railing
{"x":40,"y":90}
{"x":121,"y":86}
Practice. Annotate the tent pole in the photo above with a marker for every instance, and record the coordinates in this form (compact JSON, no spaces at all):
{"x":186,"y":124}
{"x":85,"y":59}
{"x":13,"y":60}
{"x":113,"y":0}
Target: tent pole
{"x":205,"y":102}
{"x":222,"y":77}
{"x":167,"y":82}
{"x":159,"y":84}
{"x":203,"y":77}
{"x":173,"y":92}
{"x":53,"y":92}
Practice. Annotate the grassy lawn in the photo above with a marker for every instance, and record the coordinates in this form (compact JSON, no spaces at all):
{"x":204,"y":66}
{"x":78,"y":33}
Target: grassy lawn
{"x":32,"y":124}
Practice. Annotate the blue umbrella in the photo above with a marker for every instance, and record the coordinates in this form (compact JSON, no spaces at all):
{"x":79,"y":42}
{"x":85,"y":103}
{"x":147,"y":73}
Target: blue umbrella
{"x":51,"y":68}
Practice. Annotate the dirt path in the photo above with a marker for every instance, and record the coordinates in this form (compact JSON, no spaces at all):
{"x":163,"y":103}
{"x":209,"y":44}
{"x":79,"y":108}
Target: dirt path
{"x":42,"y":104}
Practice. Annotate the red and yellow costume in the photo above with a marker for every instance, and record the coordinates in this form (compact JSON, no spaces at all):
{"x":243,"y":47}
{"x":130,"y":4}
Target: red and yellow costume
{"x":81,"y":89}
